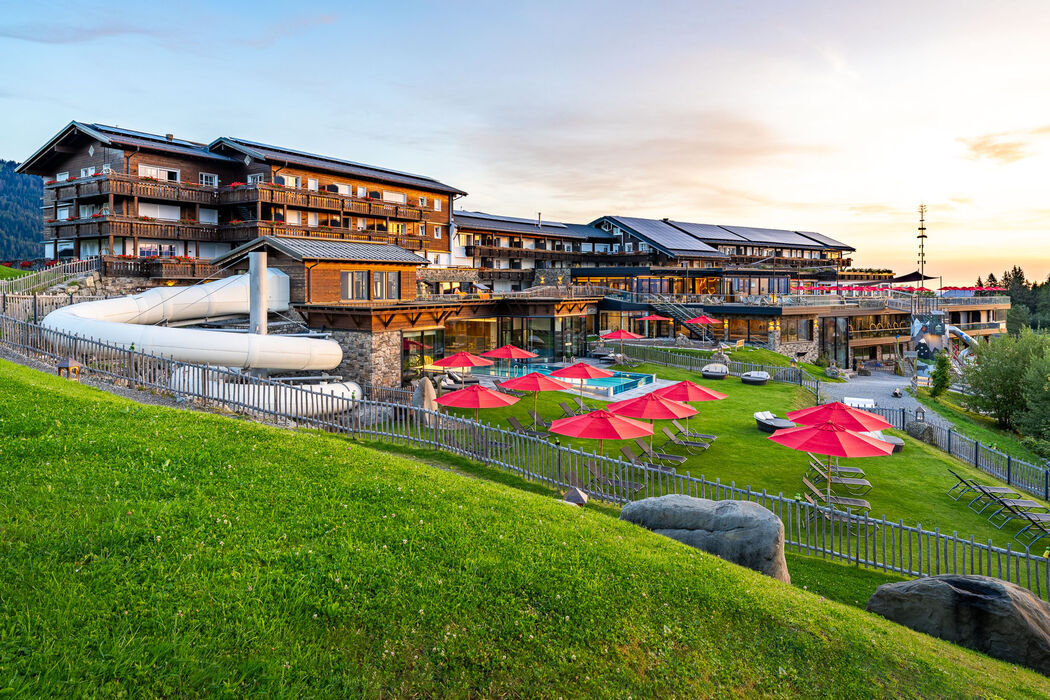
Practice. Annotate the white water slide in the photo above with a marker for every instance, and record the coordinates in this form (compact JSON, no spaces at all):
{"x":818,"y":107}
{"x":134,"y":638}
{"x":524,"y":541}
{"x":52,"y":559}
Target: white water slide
{"x":130,"y":322}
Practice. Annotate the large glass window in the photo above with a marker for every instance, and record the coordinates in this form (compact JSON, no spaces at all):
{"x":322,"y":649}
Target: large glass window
{"x":419,"y":349}
{"x":386,"y":285}
{"x":353,"y":285}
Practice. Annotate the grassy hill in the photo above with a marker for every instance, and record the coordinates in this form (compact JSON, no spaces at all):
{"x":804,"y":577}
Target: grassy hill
{"x":148,"y":551}
{"x":7,"y":273}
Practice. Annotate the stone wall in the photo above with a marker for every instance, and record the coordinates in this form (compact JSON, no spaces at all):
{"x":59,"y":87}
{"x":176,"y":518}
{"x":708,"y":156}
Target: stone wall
{"x":370,"y":358}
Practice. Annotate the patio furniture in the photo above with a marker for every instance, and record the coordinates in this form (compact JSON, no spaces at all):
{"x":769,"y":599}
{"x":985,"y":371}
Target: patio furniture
{"x":691,"y":446}
{"x":637,"y":461}
{"x":691,"y":435}
{"x":986,"y":495}
{"x":517,"y":427}
{"x":658,"y":456}
{"x":898,"y":443}
{"x":569,"y":411}
{"x":584,"y":408}
{"x":755,"y":378}
{"x":767,"y":422}
{"x":822,"y":498}
{"x":464,"y":379}
{"x":855,"y":486}
{"x":1037,"y":526}
{"x":537,"y":420}
{"x":816,"y":464}
{"x":715,"y":370}
{"x":1009,"y":508}
{"x":612,"y":483}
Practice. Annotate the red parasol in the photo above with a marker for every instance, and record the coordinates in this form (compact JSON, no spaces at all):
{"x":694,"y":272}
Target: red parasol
{"x":703,"y":320}
{"x":600,"y":425}
{"x":621,"y":335}
{"x":840,"y":414}
{"x":509,"y":352}
{"x":654,"y":317}
{"x":687,"y":391}
{"x":652,"y":407}
{"x":831,"y":440}
{"x":463,"y":360}
{"x":583,"y":372}
{"x":476,"y":397}
{"x":535,"y":382}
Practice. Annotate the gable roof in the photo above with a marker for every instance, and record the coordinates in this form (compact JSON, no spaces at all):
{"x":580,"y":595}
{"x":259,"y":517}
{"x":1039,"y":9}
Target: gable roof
{"x":325,"y":249}
{"x":277,"y":154}
{"x":482,"y":221}
{"x":665,"y":237}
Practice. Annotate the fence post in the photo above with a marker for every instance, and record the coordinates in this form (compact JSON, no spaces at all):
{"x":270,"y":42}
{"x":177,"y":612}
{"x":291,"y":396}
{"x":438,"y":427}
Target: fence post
{"x":1046,"y":489}
{"x":34,"y":305}
{"x":1009,"y":465}
{"x":949,"y":440}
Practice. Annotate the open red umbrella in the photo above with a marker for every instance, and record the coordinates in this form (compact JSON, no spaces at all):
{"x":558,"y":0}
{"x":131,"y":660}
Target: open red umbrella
{"x":535,"y":382}
{"x":583,"y":372}
{"x":840,"y":414}
{"x":687,"y":391}
{"x":653,"y":407}
{"x":703,"y":320}
{"x":476,"y":397}
{"x":509,"y":352}
{"x":601,"y":425}
{"x":463,"y":360}
{"x":831,"y":440}
{"x":652,"y":317}
{"x":621,"y":335}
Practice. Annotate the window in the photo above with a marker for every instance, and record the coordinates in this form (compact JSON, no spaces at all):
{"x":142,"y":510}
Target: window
{"x":88,"y":171}
{"x":311,"y":218}
{"x":209,"y":216}
{"x":353,"y":285}
{"x":437,"y":204}
{"x":311,"y":184}
{"x":437,"y":232}
{"x":208,"y":179}
{"x":343,"y":189}
{"x":361,"y":192}
{"x":395,"y":197}
{"x":289,"y":180}
{"x":422,"y":229}
{"x":62,"y":213}
{"x":158,"y":173}
{"x":167,"y":212}
{"x":255,"y":179}
{"x":386,"y":285}
{"x":422,"y":201}
{"x":294,"y":218}
{"x":106,"y":169}
{"x":62,"y":177}
{"x":362,"y":224}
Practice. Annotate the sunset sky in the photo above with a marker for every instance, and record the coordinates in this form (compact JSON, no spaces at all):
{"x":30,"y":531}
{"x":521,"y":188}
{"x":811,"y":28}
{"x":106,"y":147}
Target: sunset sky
{"x":826,"y":116}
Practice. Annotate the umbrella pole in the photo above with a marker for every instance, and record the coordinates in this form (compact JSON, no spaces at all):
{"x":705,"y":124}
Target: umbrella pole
{"x":535,"y":408}
{"x":829,"y":481}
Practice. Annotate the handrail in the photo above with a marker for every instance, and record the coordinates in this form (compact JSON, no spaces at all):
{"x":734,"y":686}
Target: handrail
{"x":48,"y":277}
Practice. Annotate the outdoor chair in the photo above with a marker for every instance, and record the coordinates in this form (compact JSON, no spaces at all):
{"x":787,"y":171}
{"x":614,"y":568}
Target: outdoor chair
{"x":836,"y":469}
{"x":538,"y":421}
{"x":612,"y":483}
{"x":464,"y":379}
{"x":986,"y":495}
{"x":1036,"y":527}
{"x":1009,"y":509}
{"x":637,"y":461}
{"x":767,"y":422}
{"x":517,"y":427}
{"x":856,"y":487}
{"x":691,"y":435}
{"x":850,"y":521}
{"x":584,"y":408}
{"x":691,"y":446}
{"x":569,"y":411}
{"x":658,"y":456}
{"x":961,"y":488}
{"x":852,"y":503}
{"x":898,"y":443}
{"x":449,"y":384}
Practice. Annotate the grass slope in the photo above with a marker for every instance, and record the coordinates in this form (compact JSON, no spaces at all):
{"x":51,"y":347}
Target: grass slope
{"x":148,"y":551}
{"x":760,"y":356}
{"x":976,"y":426}
{"x":7,"y":273}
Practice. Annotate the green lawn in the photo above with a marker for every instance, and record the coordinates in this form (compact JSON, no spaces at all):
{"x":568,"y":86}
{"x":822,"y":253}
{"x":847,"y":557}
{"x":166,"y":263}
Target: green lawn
{"x":7,"y":273}
{"x":974,"y":425}
{"x":149,"y":551}
{"x":908,"y":486}
{"x":761,"y":356}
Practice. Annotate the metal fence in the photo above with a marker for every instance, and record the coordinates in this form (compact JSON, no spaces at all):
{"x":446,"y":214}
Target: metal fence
{"x":843,"y":536}
{"x":33,"y":307}
{"x":696,"y":362}
{"x":49,"y":276}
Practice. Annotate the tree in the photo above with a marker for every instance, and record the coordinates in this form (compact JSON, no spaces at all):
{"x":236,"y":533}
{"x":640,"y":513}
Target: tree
{"x":1017,"y":318}
{"x":979,"y":282}
{"x":941,"y":377}
{"x":992,"y":282}
{"x":996,"y":376}
{"x":1035,"y":420}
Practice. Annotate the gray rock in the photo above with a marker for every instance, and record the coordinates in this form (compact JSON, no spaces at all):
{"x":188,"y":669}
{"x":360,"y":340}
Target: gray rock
{"x":920,"y":430}
{"x":742,"y":532}
{"x":832,"y":372}
{"x":980,"y":612}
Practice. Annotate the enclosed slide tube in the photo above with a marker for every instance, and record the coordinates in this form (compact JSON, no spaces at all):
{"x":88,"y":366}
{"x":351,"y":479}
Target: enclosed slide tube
{"x":129,"y":321}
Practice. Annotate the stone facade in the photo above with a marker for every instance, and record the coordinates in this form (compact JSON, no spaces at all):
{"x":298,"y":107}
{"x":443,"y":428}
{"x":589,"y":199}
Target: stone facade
{"x":430,"y":275}
{"x":370,"y":358}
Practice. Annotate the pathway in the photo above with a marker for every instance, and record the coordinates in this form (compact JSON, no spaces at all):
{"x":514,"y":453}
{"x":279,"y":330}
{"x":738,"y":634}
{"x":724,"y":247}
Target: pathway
{"x":879,"y":386}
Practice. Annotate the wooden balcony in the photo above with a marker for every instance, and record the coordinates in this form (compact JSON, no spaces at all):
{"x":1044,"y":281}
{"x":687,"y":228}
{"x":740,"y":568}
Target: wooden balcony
{"x":250,"y":230}
{"x":129,"y":227}
{"x":130,"y":186}
{"x":488,"y":273}
{"x":501,"y":252}
{"x":323,"y":200}
{"x":158,"y":268}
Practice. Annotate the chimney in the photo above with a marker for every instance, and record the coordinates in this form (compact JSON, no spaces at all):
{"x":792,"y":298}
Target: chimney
{"x":539,"y":218}
{"x":169,"y":137}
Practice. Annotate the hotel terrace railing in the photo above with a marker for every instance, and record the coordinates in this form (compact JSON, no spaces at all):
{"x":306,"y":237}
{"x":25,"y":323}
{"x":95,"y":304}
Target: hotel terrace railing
{"x":487,"y":251}
{"x":48,"y":277}
{"x":131,"y":186}
{"x":242,"y":231}
{"x":326,"y":200}
{"x":861,"y":540}
{"x":520,"y":275}
{"x":129,"y":227}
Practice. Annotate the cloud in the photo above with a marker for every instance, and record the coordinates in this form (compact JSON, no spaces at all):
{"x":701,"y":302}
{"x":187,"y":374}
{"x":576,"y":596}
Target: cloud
{"x":1004,"y":147}
{"x":280,"y":30}
{"x":55,"y":33}
{"x":873,"y":209}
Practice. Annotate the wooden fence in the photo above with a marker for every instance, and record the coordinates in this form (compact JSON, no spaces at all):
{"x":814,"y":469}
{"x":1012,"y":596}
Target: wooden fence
{"x":859,"y":540}
{"x":33,"y":307}
{"x":48,"y":277}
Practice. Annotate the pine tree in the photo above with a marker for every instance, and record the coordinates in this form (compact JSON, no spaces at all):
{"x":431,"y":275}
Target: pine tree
{"x":941,"y":377}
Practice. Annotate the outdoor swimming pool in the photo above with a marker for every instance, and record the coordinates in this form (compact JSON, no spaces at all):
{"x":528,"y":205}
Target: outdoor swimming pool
{"x":606,"y":386}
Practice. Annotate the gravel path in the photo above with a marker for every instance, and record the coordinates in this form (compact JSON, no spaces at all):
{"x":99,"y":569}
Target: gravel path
{"x":879,"y":386}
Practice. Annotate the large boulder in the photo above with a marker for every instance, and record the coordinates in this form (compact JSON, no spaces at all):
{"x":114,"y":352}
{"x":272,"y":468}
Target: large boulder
{"x":742,"y":532}
{"x":920,"y":430}
{"x":980,"y":612}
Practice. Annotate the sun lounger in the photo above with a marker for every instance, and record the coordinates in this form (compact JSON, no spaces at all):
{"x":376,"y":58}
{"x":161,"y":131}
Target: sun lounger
{"x":767,"y":422}
{"x":611,"y":483}
{"x":1036,"y":527}
{"x":1009,"y":509}
{"x":856,"y":487}
{"x":463,"y":378}
{"x":658,"y":456}
{"x":538,"y":421}
{"x":691,"y":446}
{"x":637,"y":461}
{"x":852,"y":503}
{"x":569,"y":411}
{"x":517,"y":427}
{"x":985,"y":495}
{"x":691,"y":435}
{"x":836,"y":469}
{"x":961,"y":488}
{"x":584,"y":408}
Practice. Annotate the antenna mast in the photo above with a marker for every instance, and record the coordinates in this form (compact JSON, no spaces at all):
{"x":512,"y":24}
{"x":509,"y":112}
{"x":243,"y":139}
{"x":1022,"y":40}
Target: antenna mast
{"x":922,"y":242}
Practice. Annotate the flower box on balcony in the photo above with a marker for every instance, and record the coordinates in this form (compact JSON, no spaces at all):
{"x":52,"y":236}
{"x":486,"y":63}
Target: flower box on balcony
{"x":50,"y":182}
{"x":97,"y":216}
{"x":71,"y":218}
{"x":236,"y":221}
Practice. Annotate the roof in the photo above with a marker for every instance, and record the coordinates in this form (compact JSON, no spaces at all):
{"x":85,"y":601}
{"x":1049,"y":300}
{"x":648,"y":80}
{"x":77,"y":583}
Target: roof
{"x":324,"y":249}
{"x":482,"y":221}
{"x":742,"y":235}
{"x":773,"y":236}
{"x":266,"y":152}
{"x":667,"y":238}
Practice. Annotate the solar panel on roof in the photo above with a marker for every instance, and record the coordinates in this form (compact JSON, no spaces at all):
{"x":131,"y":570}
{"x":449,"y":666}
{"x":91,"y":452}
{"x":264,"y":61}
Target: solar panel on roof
{"x":665,"y":236}
{"x":708,"y":232}
{"x":509,"y":219}
{"x":773,"y":236}
{"x":825,"y":240}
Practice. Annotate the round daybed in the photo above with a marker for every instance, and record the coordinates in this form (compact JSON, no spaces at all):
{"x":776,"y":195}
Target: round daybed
{"x":756,"y":378}
{"x":715,"y":370}
{"x":767,"y":422}
{"x":898,"y":443}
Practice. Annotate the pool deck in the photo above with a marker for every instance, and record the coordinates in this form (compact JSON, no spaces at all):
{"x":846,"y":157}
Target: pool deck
{"x":657,"y":383}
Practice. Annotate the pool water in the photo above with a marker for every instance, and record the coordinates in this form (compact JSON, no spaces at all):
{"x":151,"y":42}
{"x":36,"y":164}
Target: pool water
{"x":616,"y":384}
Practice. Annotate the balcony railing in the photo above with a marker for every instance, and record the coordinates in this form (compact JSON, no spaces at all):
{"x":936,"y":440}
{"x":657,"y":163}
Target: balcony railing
{"x":331,"y":201}
{"x":488,"y":273}
{"x":250,"y":230}
{"x":488,"y":251}
{"x":158,"y":268}
{"x":129,"y":227}
{"x":105,"y":184}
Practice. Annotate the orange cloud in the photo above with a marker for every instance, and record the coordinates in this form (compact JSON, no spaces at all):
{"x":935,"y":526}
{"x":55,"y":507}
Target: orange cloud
{"x":1004,"y":147}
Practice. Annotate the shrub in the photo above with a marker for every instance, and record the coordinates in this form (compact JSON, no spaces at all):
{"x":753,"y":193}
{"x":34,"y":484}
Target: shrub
{"x":996,"y":378}
{"x":941,"y":377}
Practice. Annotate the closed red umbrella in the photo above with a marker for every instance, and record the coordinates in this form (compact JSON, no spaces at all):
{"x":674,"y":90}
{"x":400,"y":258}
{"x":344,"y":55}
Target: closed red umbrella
{"x":509,"y":352}
{"x":687,"y":391}
{"x":840,"y":414}
{"x":583,"y":372}
{"x":476,"y":397}
{"x":831,"y":440}
{"x":652,"y":407}
{"x":535,"y":382}
{"x":601,"y":425}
